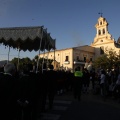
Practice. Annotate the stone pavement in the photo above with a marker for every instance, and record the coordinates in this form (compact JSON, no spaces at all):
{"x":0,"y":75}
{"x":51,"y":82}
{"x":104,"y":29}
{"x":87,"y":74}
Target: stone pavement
{"x":91,"y":106}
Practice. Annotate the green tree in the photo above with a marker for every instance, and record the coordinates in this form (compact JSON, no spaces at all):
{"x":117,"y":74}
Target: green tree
{"x":27,"y":60}
{"x":107,"y":61}
{"x":22,"y":61}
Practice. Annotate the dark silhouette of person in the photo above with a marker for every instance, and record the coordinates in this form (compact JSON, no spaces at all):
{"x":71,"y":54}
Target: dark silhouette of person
{"x":86,"y":80}
{"x":52,"y":85}
{"x":8,"y":92}
{"x":35,"y":91}
{"x":92,"y":78}
{"x":78,"y":74}
{"x":43,"y":82}
{"x":27,"y":94}
{"x":1,"y":74}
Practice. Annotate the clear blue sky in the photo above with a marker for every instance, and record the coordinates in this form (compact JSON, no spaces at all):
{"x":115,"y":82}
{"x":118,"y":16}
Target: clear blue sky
{"x":70,"y":22}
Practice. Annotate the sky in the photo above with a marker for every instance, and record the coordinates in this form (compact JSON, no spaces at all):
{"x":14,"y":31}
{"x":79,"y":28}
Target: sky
{"x":70,"y":22}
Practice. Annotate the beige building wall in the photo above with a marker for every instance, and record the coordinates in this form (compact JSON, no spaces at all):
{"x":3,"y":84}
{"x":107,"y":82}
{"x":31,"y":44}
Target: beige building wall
{"x":84,"y":52}
{"x":60,"y":57}
{"x":70,"y":58}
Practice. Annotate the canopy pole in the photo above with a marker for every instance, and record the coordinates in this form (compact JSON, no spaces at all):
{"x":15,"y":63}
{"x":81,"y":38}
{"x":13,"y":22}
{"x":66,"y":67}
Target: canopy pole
{"x":8,"y":54}
{"x":47,"y":57}
{"x":54,"y":53}
{"x":43,"y":56}
{"x":44,"y":59}
{"x":39,"y":50}
{"x":44,"y":53}
{"x":18,"y":58}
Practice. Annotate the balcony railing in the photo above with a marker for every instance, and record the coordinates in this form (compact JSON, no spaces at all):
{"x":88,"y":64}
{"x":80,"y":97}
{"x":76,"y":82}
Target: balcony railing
{"x":66,"y":62}
{"x":79,"y":62}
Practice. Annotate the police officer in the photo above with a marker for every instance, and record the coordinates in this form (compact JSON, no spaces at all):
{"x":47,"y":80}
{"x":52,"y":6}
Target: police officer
{"x":78,"y":74}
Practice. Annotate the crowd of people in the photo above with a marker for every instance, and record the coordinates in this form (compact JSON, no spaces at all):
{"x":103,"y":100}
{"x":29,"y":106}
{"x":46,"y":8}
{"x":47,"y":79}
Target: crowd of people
{"x":103,"y":82}
{"x":24,"y":93}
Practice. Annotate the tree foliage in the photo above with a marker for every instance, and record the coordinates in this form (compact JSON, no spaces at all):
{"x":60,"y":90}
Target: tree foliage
{"x":108,"y":61}
{"x":27,"y":60}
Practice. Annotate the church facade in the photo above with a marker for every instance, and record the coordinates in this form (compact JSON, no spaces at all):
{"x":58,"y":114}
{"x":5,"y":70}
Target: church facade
{"x":70,"y":58}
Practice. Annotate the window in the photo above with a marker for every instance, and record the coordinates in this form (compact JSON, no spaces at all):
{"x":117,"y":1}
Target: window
{"x":102,"y":50}
{"x":85,"y":59}
{"x":103,"y":31}
{"x":67,"y":58}
{"x":90,"y":59}
{"x":99,"y":32}
{"x":77,"y":58}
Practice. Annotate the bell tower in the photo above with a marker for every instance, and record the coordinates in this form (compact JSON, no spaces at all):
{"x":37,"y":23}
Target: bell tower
{"x":102,"y":34}
{"x":103,"y":40}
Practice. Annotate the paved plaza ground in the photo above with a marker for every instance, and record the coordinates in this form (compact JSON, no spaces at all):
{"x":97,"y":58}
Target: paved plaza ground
{"x":89,"y":107}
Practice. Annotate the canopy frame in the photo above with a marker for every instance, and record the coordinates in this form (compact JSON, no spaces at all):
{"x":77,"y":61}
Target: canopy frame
{"x":27,"y":38}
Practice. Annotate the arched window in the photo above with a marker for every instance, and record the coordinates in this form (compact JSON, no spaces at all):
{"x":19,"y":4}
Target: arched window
{"x":99,"y":32}
{"x":103,"y":31}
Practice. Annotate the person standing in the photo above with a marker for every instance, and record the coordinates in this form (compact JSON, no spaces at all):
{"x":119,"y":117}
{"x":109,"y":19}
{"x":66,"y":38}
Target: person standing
{"x":78,"y":74}
{"x":52,"y":85}
{"x":8,"y":93}
{"x":28,"y":93}
{"x":86,"y":81}
{"x":103,"y":84}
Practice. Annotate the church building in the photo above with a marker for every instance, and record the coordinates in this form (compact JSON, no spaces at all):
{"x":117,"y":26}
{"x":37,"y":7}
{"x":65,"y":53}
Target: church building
{"x":70,"y":58}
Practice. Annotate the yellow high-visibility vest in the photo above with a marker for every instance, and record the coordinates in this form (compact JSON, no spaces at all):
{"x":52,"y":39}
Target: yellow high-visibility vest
{"x":78,"y":74}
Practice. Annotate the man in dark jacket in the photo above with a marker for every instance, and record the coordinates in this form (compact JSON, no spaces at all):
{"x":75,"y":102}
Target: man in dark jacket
{"x":8,"y":93}
{"x":51,"y":79}
{"x":78,"y":76}
{"x":27,"y":94}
